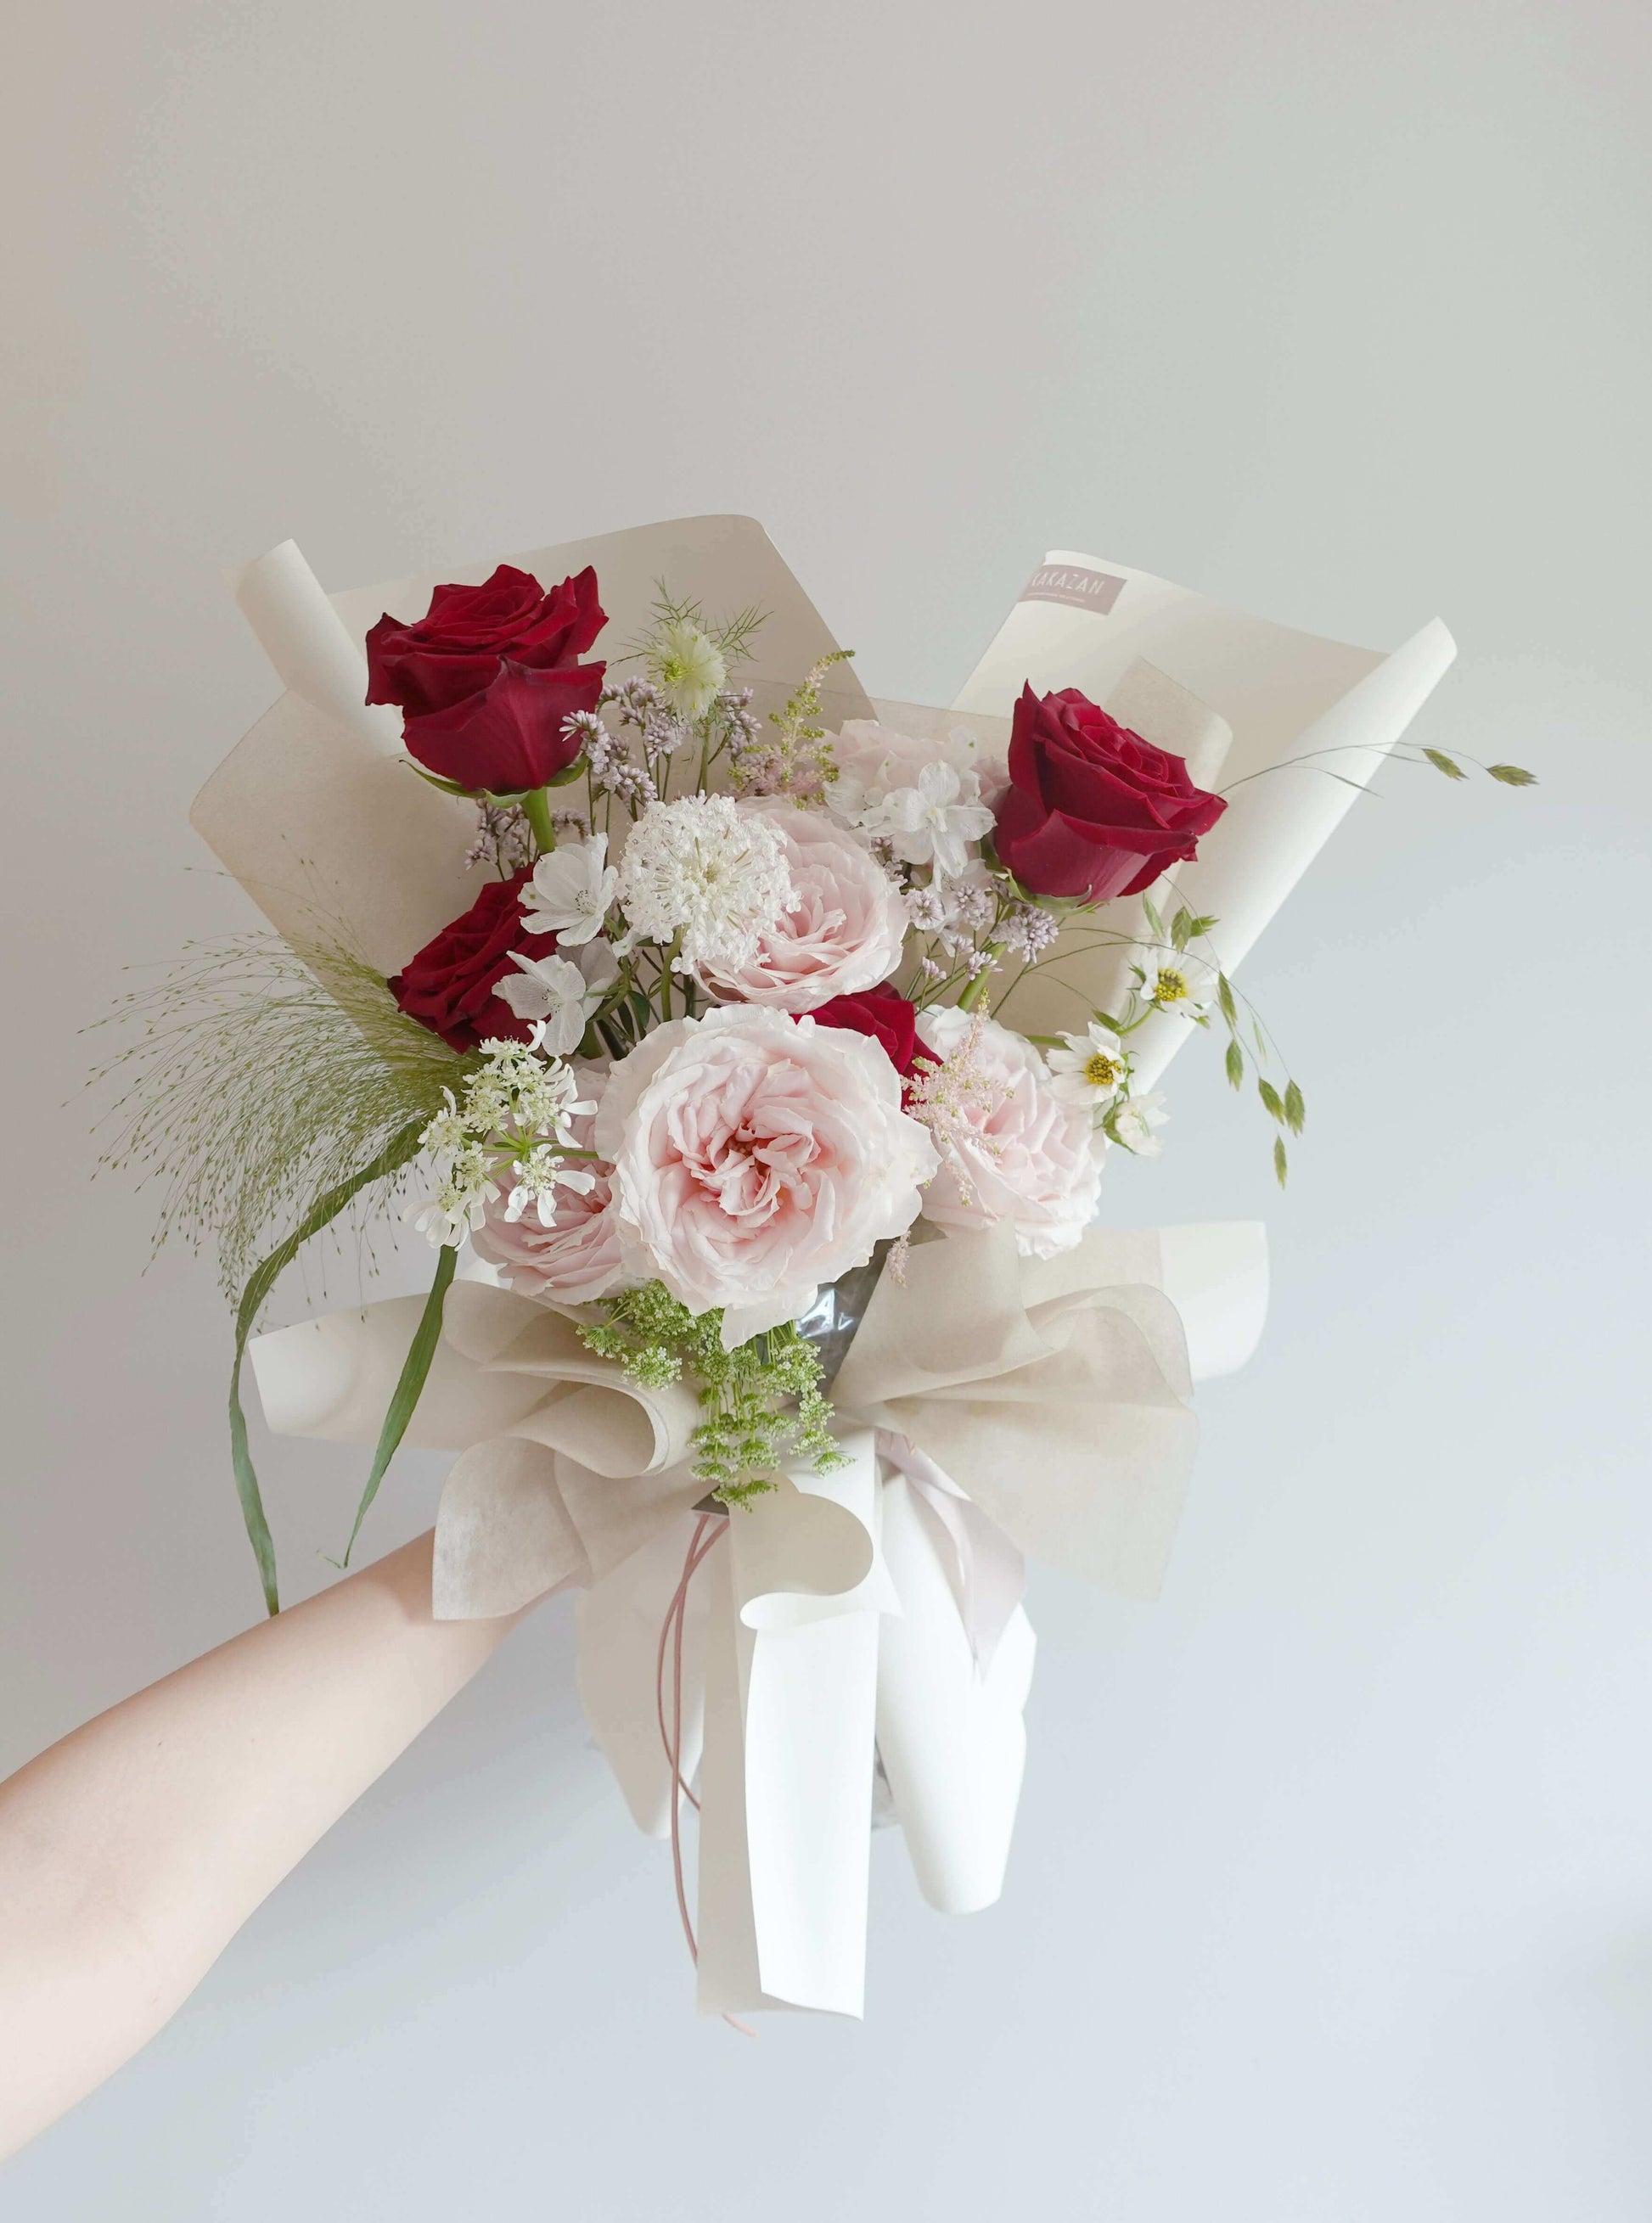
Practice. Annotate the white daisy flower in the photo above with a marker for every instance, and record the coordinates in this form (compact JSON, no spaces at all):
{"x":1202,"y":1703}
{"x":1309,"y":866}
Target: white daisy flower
{"x":1171,"y":982}
{"x":687,"y":668}
{"x":571,"y":891}
{"x":1132,"y":1121}
{"x":1092,"y":1069}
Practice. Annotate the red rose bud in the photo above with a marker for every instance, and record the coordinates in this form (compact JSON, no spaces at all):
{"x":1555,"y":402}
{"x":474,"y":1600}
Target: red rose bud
{"x":879,"y":1013}
{"x":1093,"y":810}
{"x":449,"y":986}
{"x":456,"y":647}
{"x":508,"y":737}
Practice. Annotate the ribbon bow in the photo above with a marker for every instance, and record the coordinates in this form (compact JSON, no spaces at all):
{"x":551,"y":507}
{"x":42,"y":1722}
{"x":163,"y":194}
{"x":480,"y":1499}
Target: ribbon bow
{"x":988,"y":1406}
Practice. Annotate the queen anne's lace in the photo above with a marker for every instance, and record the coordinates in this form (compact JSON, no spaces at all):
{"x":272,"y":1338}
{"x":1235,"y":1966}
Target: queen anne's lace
{"x":703,"y":869}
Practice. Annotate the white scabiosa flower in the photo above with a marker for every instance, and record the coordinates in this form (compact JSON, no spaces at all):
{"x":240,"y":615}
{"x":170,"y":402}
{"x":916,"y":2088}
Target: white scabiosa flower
{"x":1091,"y":1070}
{"x":571,"y":891}
{"x":1132,"y":1121}
{"x":689,"y":669}
{"x":704,"y":868}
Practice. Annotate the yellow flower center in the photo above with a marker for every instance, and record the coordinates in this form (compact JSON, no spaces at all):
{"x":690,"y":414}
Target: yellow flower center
{"x":1102,"y":1071}
{"x":1170,"y":987}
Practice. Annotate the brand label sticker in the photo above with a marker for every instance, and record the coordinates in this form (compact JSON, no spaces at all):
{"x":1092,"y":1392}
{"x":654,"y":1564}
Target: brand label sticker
{"x":1082,"y":589}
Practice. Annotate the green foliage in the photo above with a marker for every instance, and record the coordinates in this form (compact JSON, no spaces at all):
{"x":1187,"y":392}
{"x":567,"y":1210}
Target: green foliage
{"x":1296,"y":1110}
{"x":1512,"y":774}
{"x":763,"y":1401}
{"x":1279,"y":1165}
{"x":1441,"y":762}
{"x":415,"y":1368}
{"x":732,"y":638}
{"x":260,"y":1076}
{"x":1235,"y":1066}
{"x":798,"y":760}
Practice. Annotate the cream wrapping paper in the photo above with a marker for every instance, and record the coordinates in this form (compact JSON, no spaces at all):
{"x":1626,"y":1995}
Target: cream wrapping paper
{"x":1083,"y":621}
{"x":319,"y":814}
{"x":875,"y":1606}
{"x":994,"y":1407}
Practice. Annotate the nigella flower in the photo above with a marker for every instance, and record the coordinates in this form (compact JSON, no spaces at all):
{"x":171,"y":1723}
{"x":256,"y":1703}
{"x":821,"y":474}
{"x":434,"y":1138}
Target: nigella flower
{"x":687,"y":668}
{"x":1091,"y":1070}
{"x":704,"y":869}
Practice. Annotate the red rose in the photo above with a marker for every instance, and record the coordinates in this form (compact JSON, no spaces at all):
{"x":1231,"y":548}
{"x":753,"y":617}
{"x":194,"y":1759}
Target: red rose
{"x":879,"y":1013}
{"x":1093,"y":810}
{"x":486,"y":679}
{"x":449,"y":986}
{"x":507,"y":737}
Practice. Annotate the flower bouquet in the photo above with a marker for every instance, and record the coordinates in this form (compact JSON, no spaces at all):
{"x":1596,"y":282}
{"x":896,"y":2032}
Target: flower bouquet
{"x":750,"y":1053}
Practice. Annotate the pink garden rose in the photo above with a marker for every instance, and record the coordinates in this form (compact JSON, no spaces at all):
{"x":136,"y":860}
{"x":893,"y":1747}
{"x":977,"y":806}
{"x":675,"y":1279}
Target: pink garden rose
{"x":1023,"y":1155}
{"x":579,"y":1258}
{"x":756,"y":1156}
{"x":843,"y":934}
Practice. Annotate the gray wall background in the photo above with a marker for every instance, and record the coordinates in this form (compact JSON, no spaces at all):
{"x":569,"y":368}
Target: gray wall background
{"x":1333,"y":1897}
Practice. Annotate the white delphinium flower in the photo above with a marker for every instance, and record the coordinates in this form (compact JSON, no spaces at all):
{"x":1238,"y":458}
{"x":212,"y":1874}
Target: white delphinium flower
{"x":934,"y":822}
{"x":559,"y":995}
{"x":1132,"y":1121}
{"x":1170,"y":982}
{"x":703,"y":868}
{"x":1091,"y":1070}
{"x":687,"y":668}
{"x":571,"y":891}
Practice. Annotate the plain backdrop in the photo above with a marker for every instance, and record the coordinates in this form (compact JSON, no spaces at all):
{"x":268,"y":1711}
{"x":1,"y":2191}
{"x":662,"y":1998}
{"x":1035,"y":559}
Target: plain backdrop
{"x":1331,"y":1901}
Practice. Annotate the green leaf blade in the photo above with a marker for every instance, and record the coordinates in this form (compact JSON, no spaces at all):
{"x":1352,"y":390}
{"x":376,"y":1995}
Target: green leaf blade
{"x":415,"y":1368}
{"x":398,"y":1151}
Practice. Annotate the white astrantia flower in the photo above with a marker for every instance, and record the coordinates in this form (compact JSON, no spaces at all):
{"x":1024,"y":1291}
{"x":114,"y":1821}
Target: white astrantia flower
{"x":689,"y":669}
{"x":934,"y":822}
{"x":1171,"y":982}
{"x":1132,"y":1121}
{"x":571,"y":891}
{"x":558,"y":995}
{"x":1091,"y":1070}
{"x":704,"y":868}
